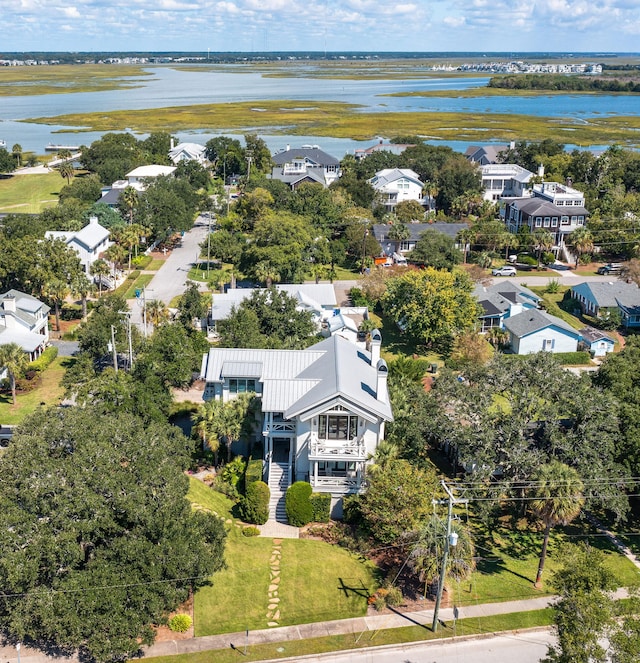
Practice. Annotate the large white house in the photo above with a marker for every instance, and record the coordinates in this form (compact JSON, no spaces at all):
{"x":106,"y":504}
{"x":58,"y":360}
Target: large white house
{"x":89,"y":243}
{"x":322,"y":410}
{"x":24,"y":320}
{"x":395,"y":185}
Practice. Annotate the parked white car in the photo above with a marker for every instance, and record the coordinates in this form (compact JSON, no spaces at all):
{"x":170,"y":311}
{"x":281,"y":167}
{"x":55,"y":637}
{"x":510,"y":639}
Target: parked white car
{"x":504,"y":271}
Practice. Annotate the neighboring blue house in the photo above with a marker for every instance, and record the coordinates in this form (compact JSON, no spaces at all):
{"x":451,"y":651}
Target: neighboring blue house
{"x":501,"y":301}
{"x":597,"y":342}
{"x":599,"y":298}
{"x":534,"y":331}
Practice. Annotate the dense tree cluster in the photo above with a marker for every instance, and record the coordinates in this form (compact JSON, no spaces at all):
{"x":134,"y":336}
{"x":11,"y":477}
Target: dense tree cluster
{"x":557,"y":82}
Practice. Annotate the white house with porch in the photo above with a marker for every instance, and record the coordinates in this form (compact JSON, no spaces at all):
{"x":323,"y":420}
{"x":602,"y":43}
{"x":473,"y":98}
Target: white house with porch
{"x":322,"y":411}
{"x":23,"y":320}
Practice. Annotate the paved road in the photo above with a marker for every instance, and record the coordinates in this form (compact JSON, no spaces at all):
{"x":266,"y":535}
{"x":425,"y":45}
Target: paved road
{"x":523,"y":647}
{"x":170,"y":280}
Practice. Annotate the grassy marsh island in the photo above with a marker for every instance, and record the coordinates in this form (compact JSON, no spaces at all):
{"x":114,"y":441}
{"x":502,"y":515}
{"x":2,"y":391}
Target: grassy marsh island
{"x":341,"y":120}
{"x":62,"y":79}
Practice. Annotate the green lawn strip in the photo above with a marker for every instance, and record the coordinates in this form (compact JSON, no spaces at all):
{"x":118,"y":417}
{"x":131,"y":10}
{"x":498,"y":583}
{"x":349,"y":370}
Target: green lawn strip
{"x":508,"y":561}
{"x":346,"y":274}
{"x":354,"y":641}
{"x":49,"y":391}
{"x":155,"y":265}
{"x":397,"y":344}
{"x":138,"y":283}
{"x":340,"y":120}
{"x":29,"y":194}
{"x":555,"y":304}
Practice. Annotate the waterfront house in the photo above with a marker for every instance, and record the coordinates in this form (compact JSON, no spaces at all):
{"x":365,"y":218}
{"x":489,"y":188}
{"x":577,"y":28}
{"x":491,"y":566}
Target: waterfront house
{"x":322,"y":410}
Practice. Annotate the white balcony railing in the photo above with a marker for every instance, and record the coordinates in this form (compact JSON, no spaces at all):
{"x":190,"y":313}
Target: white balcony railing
{"x":335,"y":450}
{"x":337,"y":484}
{"x":280,"y":426}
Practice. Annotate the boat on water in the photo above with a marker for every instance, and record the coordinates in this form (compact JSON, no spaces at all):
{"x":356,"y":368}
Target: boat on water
{"x":58,"y":148}
{"x":3,"y":144}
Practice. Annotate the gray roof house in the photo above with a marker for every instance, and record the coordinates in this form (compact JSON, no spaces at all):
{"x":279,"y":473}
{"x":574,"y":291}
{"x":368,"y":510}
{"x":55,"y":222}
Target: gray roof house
{"x":24,"y":320}
{"x":535,"y":330}
{"x":390,"y":246}
{"x":503,"y":300}
{"x":598,"y":298}
{"x":485,"y":154}
{"x":308,"y":163}
{"x":322,"y":411}
{"x":597,"y":342}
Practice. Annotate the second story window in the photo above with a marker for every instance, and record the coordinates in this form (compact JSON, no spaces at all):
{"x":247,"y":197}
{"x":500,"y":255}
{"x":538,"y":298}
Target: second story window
{"x":337,"y":427}
{"x":241,"y":385}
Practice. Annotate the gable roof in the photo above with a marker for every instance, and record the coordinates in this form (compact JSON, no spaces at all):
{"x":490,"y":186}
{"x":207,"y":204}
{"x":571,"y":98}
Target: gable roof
{"x":313,"y":155}
{"x":296,"y":382}
{"x":592,"y":335}
{"x":26,"y":307}
{"x":484,"y":154}
{"x":499,"y":296}
{"x":533,"y":320}
{"x":154,"y":170}
{"x":390,"y":175}
{"x":539,"y":207}
{"x":609,"y":294}
{"x":193,"y":151}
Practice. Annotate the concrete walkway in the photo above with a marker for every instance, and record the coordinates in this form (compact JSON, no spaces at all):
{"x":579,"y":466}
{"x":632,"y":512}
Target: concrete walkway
{"x":355,"y":626}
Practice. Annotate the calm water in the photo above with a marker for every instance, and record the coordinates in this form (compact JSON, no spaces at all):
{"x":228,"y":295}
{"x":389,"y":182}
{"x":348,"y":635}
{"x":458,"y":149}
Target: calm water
{"x":170,"y":87}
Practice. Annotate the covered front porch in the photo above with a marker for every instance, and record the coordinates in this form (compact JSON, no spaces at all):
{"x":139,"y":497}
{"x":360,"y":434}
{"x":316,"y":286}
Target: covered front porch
{"x":337,"y":476}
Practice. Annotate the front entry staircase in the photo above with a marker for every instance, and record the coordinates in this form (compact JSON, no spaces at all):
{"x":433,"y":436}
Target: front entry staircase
{"x":278,"y":484}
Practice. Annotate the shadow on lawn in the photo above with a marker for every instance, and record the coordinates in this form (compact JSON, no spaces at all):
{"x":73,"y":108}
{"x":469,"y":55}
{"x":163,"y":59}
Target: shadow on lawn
{"x":351,"y":587}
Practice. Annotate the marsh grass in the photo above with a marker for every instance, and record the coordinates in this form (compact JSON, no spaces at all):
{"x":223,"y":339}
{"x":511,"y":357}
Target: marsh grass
{"x":62,"y":79}
{"x":342,"y":120}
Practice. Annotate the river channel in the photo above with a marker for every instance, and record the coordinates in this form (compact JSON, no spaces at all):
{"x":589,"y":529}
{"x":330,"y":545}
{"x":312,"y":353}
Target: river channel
{"x":169,"y":86}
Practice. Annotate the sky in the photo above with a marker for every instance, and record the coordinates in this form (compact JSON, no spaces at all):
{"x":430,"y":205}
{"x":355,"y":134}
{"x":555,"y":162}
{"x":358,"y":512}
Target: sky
{"x":321,"y":25}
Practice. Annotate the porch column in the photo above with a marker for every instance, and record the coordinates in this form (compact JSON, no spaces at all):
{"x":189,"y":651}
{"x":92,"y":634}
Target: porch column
{"x":315,"y":473}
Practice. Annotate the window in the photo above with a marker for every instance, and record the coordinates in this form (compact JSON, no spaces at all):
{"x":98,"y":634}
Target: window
{"x":538,"y":222}
{"x":241,"y":385}
{"x":337,"y":427}
{"x":564,"y":220}
{"x":560,"y":203}
{"x":554,"y":222}
{"x":574,"y":219}
{"x":548,"y":344}
{"x":547,"y":221}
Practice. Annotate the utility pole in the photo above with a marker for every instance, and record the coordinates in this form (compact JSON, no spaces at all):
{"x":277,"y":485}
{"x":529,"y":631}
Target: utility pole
{"x":144,"y":309}
{"x":113,"y":348}
{"x":129,"y":343}
{"x":450,"y":541}
{"x":208,"y":245}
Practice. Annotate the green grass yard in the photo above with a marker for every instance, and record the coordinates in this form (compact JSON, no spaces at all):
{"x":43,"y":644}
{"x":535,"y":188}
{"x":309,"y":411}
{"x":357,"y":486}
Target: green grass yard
{"x":555,"y":305}
{"x":319,"y":581}
{"x":29,"y":194}
{"x":50,"y":392}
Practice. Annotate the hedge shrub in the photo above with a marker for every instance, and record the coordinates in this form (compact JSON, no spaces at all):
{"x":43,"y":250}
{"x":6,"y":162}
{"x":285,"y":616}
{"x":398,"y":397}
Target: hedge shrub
{"x":250,"y":530}
{"x":254,"y":507}
{"x":321,"y":507}
{"x":298,"y":504}
{"x":180,"y":623}
{"x":253,"y":473}
{"x":44,"y":360}
{"x":525,"y":259}
{"x":71,"y":312}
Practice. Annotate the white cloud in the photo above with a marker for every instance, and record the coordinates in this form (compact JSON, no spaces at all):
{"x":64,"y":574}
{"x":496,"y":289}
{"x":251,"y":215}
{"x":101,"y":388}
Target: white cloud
{"x":71,"y":12}
{"x":454,"y":21}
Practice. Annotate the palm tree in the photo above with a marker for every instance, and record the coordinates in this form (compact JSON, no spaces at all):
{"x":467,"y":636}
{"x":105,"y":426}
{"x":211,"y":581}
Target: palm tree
{"x":206,"y":424}
{"x":16,"y":150}
{"x":56,"y":290}
{"x":14,"y":359}
{"x":398,"y":232}
{"x":157,"y":312}
{"x":426,"y":555}
{"x":66,"y":170}
{"x":543,"y":241}
{"x":558,"y":499}
{"x":130,"y":201}
{"x":116,"y":254}
{"x":82,"y":287}
{"x":466,"y":237}
{"x":581,"y":241}
{"x":266,"y":273}
{"x":99,"y":268}
{"x":386,"y":452}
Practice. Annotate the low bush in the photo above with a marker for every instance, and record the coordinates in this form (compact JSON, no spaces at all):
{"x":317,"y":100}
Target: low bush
{"x":321,"y":507}
{"x":298,"y":504}
{"x":253,"y":473}
{"x":44,"y":360}
{"x":254,"y":507}
{"x":142,"y":262}
{"x":221,"y":486}
{"x":358,"y":298}
{"x":71,"y":312}
{"x":250,"y":530}
{"x":525,"y":259}
{"x":180,"y":623}
{"x":547,"y":258}
{"x":233,"y":471}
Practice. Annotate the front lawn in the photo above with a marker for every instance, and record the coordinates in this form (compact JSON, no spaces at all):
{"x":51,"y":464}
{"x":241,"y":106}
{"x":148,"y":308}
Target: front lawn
{"x":319,"y":581}
{"x":49,"y":392}
{"x":555,"y":304}
{"x":508,"y":562}
{"x":29,"y":194}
